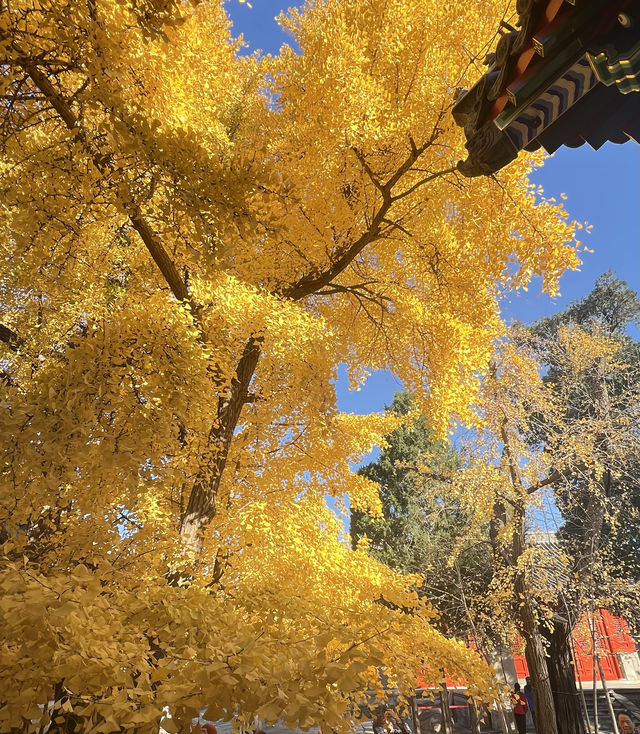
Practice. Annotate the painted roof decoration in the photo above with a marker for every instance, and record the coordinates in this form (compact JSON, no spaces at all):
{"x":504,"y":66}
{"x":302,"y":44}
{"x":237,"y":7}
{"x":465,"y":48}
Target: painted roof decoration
{"x":568,"y":74}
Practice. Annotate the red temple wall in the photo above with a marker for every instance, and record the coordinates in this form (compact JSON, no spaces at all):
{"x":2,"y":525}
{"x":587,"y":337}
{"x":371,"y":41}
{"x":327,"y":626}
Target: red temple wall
{"x":612,"y":634}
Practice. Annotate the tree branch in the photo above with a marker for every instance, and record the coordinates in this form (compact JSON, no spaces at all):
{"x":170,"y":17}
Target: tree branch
{"x":422,"y":182}
{"x":556,"y":476}
{"x":314,"y":281}
{"x":9,"y":337}
{"x":359,"y":291}
{"x":104,"y":165}
{"x":201,"y":507}
{"x":367,"y":168}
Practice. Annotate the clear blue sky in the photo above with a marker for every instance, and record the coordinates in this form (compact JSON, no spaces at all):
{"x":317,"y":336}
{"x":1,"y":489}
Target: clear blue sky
{"x":603,"y":188}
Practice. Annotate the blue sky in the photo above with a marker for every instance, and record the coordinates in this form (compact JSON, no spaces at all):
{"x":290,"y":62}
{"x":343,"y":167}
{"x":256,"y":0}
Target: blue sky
{"x":603,"y":188}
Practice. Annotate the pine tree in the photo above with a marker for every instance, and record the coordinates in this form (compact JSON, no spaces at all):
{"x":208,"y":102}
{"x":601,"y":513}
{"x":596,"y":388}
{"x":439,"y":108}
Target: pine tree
{"x":419,"y":531}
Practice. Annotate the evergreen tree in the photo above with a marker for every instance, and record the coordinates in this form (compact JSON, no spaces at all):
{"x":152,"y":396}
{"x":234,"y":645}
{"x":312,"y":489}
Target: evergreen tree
{"x":419,"y":530}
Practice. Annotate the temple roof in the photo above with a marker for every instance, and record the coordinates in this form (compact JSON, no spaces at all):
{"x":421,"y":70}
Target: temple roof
{"x":569,"y":74}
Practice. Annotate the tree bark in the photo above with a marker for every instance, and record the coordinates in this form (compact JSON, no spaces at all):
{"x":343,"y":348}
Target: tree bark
{"x":607,"y":697}
{"x":447,"y":722}
{"x":415,"y":719}
{"x":528,"y":622}
{"x":505,"y":719}
{"x":537,"y":663}
{"x":583,"y":701}
{"x":569,"y":715}
{"x":201,"y":507}
{"x":474,"y":720}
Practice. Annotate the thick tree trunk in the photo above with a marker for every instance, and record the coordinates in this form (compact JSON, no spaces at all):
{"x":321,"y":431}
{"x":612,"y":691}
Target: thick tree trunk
{"x":537,"y":663}
{"x":534,"y":649}
{"x":528,"y":626}
{"x":569,"y":714}
{"x":474,"y":721}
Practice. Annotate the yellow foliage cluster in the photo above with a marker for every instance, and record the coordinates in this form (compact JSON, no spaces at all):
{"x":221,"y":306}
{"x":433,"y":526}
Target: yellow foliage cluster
{"x":551,"y":436}
{"x":194,"y":240}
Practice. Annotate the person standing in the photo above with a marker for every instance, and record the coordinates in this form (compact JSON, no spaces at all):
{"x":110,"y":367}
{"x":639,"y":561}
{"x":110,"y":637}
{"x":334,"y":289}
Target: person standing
{"x":520,"y":708}
{"x":528,"y":692}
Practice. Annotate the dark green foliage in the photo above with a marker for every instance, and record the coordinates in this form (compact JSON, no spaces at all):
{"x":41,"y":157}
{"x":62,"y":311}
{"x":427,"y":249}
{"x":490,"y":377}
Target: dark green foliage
{"x":611,"y":307}
{"x":418,"y":532}
{"x":398,"y":538}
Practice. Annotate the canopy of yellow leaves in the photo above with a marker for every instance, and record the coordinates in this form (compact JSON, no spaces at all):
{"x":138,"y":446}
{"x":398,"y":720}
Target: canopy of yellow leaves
{"x":169,"y":205}
{"x":549,"y":437}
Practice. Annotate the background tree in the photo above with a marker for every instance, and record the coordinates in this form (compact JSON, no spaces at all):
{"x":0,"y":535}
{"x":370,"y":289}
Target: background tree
{"x":420,"y":532}
{"x":571,"y":431}
{"x":598,"y":499}
{"x":546,"y":428}
{"x":610,"y":310}
{"x":471,"y":550}
{"x":194,"y":240}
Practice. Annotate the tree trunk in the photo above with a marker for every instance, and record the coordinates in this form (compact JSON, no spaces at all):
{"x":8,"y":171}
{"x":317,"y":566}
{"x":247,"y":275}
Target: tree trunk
{"x":595,"y":510}
{"x":528,"y":622}
{"x":594,"y":653}
{"x":537,"y":664}
{"x":583,"y":701}
{"x":447,"y":722}
{"x":569,"y":715}
{"x":528,"y":625}
{"x":415,"y":719}
{"x":504,"y":720}
{"x":605,"y":688}
{"x":534,"y":649}
{"x":474,"y":724}
{"x":201,"y":507}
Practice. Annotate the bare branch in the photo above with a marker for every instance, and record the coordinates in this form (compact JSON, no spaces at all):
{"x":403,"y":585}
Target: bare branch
{"x":556,"y":476}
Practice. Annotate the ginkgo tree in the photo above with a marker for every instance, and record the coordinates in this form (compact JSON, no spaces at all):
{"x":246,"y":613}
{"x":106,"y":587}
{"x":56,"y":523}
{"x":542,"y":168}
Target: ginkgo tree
{"x":560,"y":417}
{"x":193,"y":240}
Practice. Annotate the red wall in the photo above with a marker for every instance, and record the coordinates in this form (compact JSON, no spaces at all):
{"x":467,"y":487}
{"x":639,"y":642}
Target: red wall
{"x":612,"y":637}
